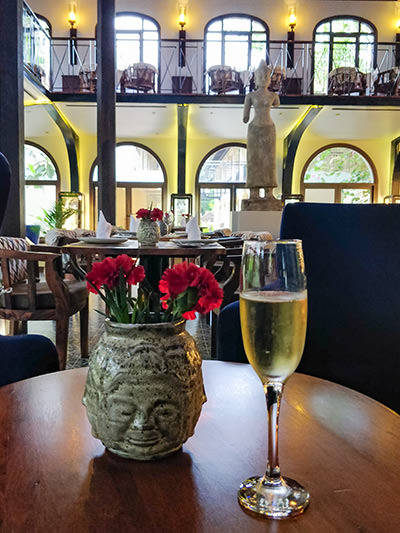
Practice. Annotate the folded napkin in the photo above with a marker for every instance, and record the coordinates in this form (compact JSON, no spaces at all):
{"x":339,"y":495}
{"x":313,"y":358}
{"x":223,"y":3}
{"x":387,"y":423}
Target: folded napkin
{"x":133,"y":224}
{"x":104,"y":228}
{"x":193,"y":230}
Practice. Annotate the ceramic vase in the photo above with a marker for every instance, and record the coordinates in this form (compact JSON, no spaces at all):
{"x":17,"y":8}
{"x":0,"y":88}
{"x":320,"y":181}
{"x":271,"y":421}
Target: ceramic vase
{"x":148,"y":232}
{"x":144,"y":390}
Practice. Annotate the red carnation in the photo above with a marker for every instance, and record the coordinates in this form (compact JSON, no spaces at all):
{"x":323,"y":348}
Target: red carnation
{"x":189,"y":288}
{"x":150,"y":214}
{"x":107,"y":273}
{"x":143,"y":213}
{"x":156,"y":214}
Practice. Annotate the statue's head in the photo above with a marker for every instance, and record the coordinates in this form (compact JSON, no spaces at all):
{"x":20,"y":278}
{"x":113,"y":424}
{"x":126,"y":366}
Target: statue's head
{"x":146,"y":408}
{"x":262,"y":74}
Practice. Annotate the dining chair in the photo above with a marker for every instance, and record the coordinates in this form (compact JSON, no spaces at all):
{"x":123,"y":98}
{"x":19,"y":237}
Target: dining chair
{"x":223,"y":79}
{"x":28,"y":297}
{"x":26,"y":356}
{"x":352,"y":258}
{"x":346,"y":80}
{"x":140,"y":77}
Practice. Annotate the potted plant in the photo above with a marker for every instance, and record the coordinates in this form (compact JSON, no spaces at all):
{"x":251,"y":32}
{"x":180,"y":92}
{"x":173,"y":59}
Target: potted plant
{"x":148,"y":232}
{"x":57,"y":215}
{"x":144,"y":390}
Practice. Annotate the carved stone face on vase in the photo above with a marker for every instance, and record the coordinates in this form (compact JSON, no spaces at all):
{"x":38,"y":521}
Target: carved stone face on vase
{"x":146,"y":419}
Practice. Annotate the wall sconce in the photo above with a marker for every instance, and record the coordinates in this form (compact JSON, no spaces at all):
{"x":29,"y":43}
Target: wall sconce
{"x":290,"y":37}
{"x":292,"y":19}
{"x":182,"y":16}
{"x":182,"y":33}
{"x":73,"y":56}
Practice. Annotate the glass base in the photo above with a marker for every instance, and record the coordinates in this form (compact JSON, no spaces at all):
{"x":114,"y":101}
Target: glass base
{"x":282,"y":500}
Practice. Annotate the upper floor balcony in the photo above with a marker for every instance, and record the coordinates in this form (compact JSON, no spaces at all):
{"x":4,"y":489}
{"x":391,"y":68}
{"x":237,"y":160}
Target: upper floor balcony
{"x":301,"y":69}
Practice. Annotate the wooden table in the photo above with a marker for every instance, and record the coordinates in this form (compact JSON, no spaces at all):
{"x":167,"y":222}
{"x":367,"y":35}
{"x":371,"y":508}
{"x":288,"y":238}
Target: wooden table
{"x":55,"y":477}
{"x":166,"y":249}
{"x":155,"y":259}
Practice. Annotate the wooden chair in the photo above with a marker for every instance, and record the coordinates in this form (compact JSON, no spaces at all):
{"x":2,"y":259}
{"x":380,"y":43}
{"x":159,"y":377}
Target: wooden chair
{"x":26,"y":297}
{"x":88,"y":78}
{"x":387,"y":82}
{"x":223,"y":79}
{"x":346,"y":80}
{"x":277,"y":79}
{"x":227,"y":273}
{"x":139,"y":77}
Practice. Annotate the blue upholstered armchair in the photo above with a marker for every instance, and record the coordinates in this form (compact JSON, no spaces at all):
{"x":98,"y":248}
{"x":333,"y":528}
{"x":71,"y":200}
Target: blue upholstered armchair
{"x":22,"y":356}
{"x":26,"y":356}
{"x":352,"y":256}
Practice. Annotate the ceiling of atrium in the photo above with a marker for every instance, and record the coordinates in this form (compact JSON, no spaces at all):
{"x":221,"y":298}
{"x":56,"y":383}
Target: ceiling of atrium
{"x":222,"y":121}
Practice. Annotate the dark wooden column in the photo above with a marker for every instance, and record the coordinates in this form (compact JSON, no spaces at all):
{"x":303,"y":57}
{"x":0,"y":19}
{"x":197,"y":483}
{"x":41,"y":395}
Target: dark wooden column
{"x":182,"y":138}
{"x":106,"y":106}
{"x":12,"y":113}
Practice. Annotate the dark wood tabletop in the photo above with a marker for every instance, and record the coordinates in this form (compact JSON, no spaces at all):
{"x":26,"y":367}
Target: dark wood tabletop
{"x":160,"y":256}
{"x":55,"y":477}
{"x":131,"y":247}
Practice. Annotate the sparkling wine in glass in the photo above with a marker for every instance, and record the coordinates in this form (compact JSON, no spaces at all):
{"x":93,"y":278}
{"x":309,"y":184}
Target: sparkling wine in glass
{"x":273,"y":316}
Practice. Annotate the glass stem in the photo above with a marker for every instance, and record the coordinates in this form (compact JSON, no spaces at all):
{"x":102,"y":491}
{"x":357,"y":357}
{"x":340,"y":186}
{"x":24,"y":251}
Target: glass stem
{"x":273,"y":395}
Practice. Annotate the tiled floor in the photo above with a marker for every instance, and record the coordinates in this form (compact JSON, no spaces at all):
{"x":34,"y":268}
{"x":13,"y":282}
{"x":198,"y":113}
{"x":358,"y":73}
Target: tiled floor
{"x":198,"y":328}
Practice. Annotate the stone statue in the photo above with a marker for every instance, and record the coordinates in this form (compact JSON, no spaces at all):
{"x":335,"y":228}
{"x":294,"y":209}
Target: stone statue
{"x":261,"y":144}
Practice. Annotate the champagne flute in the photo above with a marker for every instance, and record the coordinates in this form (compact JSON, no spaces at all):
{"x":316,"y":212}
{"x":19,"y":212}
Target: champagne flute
{"x":273,"y":316}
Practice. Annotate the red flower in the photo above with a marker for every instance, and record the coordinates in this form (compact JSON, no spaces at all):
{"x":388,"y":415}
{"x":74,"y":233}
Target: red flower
{"x":107,"y":273}
{"x":150,"y":214}
{"x":143,"y":213}
{"x":196,"y":287}
{"x":187,"y":289}
{"x":156,"y":214}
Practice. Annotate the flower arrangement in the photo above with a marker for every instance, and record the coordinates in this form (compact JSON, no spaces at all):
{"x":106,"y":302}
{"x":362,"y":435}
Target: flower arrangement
{"x":186,"y":289}
{"x":150,"y":214}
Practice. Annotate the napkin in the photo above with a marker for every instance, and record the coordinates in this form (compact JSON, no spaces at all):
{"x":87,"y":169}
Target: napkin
{"x":133,"y":224}
{"x":193,"y":230}
{"x":103,"y":227}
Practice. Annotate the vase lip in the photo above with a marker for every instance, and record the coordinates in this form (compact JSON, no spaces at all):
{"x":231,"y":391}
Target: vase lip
{"x":164,"y":325}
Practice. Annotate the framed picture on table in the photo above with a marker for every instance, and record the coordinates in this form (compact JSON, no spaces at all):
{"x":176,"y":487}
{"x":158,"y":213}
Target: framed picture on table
{"x":181,"y":205}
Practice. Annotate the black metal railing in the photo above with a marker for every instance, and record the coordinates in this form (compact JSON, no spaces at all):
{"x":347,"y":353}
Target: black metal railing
{"x":69,"y":65}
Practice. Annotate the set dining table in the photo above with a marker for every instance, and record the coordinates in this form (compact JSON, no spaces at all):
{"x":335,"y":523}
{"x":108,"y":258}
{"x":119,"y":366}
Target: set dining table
{"x":155,"y":259}
{"x":56,"y":477}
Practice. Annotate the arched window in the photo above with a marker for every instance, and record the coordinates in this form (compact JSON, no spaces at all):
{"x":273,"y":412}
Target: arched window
{"x":239,"y":41}
{"x":41,"y":182}
{"x":221,"y":179}
{"x":339,"y":174}
{"x":141,"y":181}
{"x":342,"y":41}
{"x":137,"y":40}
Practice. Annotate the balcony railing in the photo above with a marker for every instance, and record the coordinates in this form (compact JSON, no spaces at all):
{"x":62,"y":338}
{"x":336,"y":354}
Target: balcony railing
{"x":65,"y":65}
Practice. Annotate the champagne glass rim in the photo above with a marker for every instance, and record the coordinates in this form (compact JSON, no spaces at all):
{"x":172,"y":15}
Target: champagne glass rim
{"x":273,"y":241}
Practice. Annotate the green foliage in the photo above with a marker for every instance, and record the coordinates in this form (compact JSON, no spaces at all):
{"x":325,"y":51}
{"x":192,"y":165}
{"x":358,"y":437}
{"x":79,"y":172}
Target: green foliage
{"x":57,"y":215}
{"x":338,"y":165}
{"x":37,"y":165}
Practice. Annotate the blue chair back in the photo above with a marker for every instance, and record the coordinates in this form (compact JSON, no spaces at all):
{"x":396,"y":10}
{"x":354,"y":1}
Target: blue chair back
{"x":352,"y":258}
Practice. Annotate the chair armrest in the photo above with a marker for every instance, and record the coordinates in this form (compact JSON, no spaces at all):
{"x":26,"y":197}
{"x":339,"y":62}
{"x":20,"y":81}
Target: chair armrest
{"x":53,"y":278}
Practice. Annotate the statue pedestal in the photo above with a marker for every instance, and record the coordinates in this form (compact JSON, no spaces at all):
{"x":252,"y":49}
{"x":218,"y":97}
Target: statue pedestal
{"x":257,"y":221}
